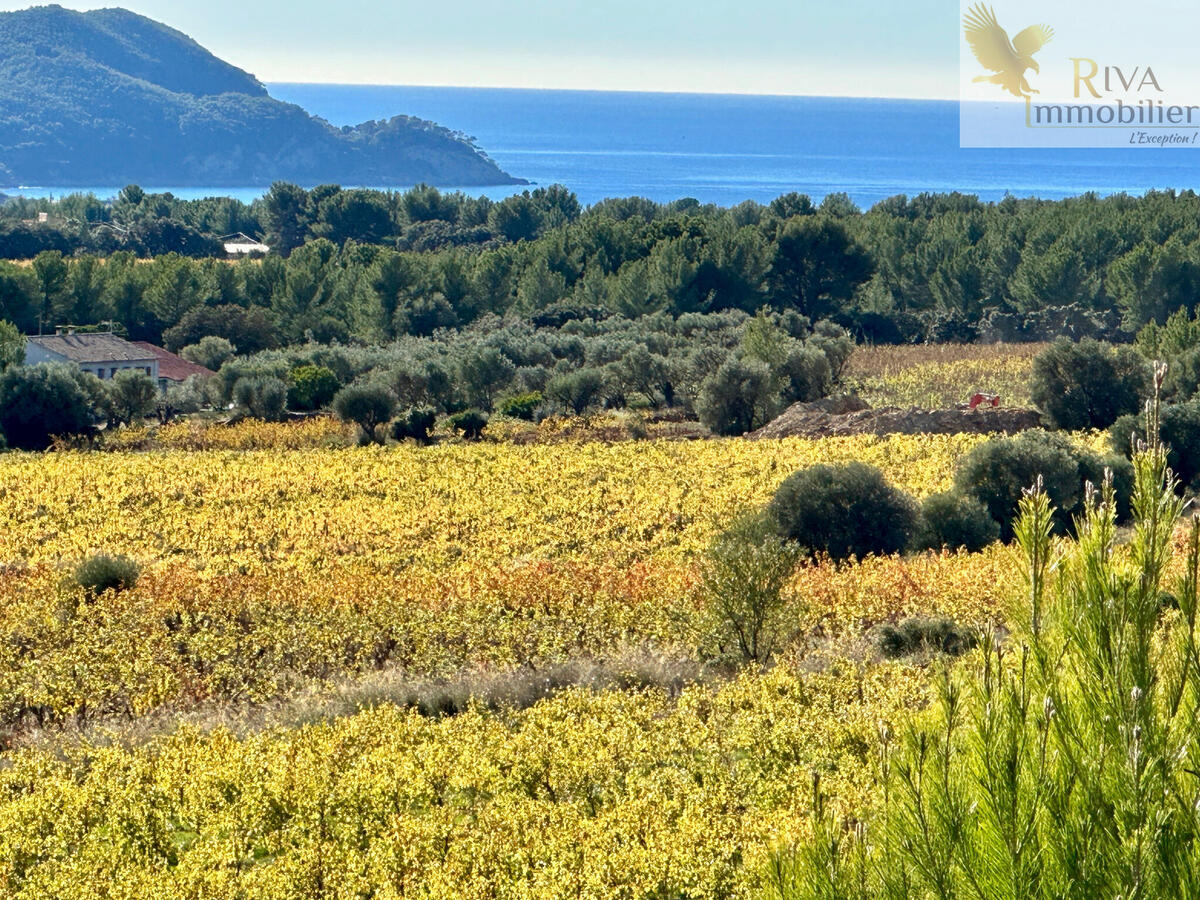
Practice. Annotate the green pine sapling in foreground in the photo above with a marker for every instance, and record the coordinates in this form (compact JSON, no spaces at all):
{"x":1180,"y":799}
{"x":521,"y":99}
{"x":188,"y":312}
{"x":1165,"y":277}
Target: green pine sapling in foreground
{"x":1062,"y":759}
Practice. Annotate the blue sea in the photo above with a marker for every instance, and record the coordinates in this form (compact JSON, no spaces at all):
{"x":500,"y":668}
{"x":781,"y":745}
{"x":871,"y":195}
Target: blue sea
{"x":728,"y":148}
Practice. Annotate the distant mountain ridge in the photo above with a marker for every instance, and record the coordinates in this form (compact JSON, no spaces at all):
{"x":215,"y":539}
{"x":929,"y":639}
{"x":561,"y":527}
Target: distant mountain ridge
{"x":110,"y":97}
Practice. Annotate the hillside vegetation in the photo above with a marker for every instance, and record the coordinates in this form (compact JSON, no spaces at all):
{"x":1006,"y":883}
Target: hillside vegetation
{"x":111,"y":97}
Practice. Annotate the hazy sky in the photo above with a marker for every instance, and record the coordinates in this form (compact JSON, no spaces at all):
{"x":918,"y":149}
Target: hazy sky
{"x":880,"y":48}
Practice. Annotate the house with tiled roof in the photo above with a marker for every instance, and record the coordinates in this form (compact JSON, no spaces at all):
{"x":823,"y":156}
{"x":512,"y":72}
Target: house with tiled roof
{"x":173,"y":369}
{"x":101,"y":353}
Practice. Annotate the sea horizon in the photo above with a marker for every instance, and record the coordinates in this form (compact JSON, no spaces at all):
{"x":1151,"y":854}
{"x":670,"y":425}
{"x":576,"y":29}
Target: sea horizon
{"x":270,"y":85}
{"x":722,"y":148}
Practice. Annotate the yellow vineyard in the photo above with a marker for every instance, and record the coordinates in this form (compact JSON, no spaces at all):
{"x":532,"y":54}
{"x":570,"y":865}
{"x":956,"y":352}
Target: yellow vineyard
{"x":274,"y":580}
{"x":437,"y":507}
{"x":943,"y":375}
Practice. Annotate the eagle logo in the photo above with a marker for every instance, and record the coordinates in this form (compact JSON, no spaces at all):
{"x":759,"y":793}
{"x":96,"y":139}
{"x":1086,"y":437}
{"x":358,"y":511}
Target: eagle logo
{"x":1008,"y":59}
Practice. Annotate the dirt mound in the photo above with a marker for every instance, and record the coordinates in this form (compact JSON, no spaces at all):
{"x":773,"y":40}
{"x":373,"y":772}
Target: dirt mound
{"x":825,"y":418}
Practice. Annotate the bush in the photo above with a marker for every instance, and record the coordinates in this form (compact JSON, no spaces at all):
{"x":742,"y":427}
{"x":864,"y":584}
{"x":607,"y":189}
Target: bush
{"x":311,"y":387}
{"x":837,"y":345}
{"x":470,"y":423}
{"x":366,"y":405}
{"x":39,"y":403}
{"x":1183,"y":376}
{"x":646,"y":373}
{"x":101,"y":572}
{"x":745,"y":573}
{"x":954,"y":520}
{"x":578,"y":390}
{"x":520,"y":406}
{"x":181,"y":399}
{"x":919,"y":635}
{"x":1077,"y":734}
{"x":132,"y":395}
{"x":843,"y":510}
{"x":1179,"y":430}
{"x":483,"y":374}
{"x":211,"y":351}
{"x":1092,"y":468}
{"x":739,"y":397}
{"x":12,"y":345}
{"x":1088,"y":384}
{"x":261,"y":397}
{"x":997,"y":473}
{"x":414,"y":423}
{"x":806,"y":374}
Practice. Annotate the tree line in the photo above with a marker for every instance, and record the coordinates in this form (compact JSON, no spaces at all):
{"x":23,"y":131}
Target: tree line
{"x":369,"y":266}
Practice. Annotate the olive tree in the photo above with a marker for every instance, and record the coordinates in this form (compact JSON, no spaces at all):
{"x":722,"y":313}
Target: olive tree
{"x":132,"y":395}
{"x":366,"y":405}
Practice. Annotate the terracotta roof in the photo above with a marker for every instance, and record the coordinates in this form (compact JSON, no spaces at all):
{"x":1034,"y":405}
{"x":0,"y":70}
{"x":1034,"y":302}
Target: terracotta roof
{"x":92,"y":348}
{"x":172,"y":367}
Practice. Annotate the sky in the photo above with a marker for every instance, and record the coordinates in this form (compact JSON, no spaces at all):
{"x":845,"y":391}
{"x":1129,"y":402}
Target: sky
{"x":871,"y":48}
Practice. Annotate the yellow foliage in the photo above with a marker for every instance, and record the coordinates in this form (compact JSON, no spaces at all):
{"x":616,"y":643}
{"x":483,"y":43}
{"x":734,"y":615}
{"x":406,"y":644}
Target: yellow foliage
{"x":182,"y":638}
{"x":446,"y":506}
{"x":248,"y":434}
{"x":595,"y":795}
{"x":269,"y":571}
{"x":943,"y":376}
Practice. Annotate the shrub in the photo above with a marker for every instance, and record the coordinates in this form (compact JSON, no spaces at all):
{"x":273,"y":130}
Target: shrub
{"x":955,"y":520}
{"x":417,"y":382}
{"x":261,"y":397}
{"x":1179,"y":334}
{"x":578,"y":390}
{"x":1077,"y":735}
{"x":253,"y":329}
{"x":745,"y":573}
{"x":1179,"y":430}
{"x":210,"y":351}
{"x":647,"y":373}
{"x":520,"y":406}
{"x":470,"y":423}
{"x":739,"y":397}
{"x":102,"y":572}
{"x":997,"y":473}
{"x":805,"y":374}
{"x":1183,"y":376}
{"x":132,"y":395}
{"x":12,"y":345}
{"x":39,"y":403}
{"x":1088,"y":384}
{"x":484,"y":373}
{"x":843,"y":510}
{"x":837,"y":345}
{"x":920,"y":635}
{"x":367,"y":406}
{"x":181,"y":399}
{"x":414,"y":423}
{"x":311,"y":387}
{"x":1093,"y":468}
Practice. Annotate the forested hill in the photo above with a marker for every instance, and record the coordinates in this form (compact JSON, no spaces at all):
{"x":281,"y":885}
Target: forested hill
{"x":110,"y":97}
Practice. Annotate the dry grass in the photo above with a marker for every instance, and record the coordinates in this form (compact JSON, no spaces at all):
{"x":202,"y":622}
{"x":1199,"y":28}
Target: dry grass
{"x":608,"y":426}
{"x":939,"y":376}
{"x":498,"y":690}
{"x":885,"y":360}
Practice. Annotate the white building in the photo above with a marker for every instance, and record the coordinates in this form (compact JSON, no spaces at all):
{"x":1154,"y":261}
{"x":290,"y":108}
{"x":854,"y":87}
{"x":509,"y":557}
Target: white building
{"x":102,"y":354}
{"x":239,"y":245}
